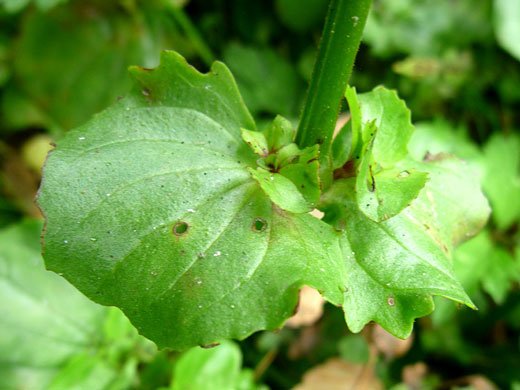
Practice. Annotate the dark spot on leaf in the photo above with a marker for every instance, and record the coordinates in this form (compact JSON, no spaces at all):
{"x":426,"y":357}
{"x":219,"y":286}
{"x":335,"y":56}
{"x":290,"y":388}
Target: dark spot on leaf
{"x":259,"y":225}
{"x":372,"y":183}
{"x":210,"y":346}
{"x":145,"y":92}
{"x":180,"y":228}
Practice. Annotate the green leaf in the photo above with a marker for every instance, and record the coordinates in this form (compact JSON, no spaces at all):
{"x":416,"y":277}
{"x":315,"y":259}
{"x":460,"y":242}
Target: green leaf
{"x":51,"y":336}
{"x":470,"y":262}
{"x":219,"y":367}
{"x":257,"y":141}
{"x":150,"y":207}
{"x":282,"y":191}
{"x":355,"y":111}
{"x":87,"y":371}
{"x":502,"y":271}
{"x":506,"y":18}
{"x":208,"y":369}
{"x":279,"y":133}
{"x":393,"y":267}
{"x":393,"y":191}
{"x":342,"y":146}
{"x":45,"y":321}
{"x":481,"y":261}
{"x":393,"y":122}
{"x":501,"y":181}
{"x":439,"y":136}
{"x":381,"y":195}
{"x":303,"y":171}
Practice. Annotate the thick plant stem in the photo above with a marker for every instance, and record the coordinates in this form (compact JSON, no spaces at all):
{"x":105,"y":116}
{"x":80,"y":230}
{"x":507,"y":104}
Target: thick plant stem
{"x":338,"y":47}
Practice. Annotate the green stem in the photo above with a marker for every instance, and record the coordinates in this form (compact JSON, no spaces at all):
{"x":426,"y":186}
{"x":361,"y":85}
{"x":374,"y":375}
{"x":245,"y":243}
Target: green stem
{"x":193,"y":35}
{"x":338,"y":47}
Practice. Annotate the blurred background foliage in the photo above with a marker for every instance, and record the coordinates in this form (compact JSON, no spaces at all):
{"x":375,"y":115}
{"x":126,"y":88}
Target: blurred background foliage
{"x":456,"y":63}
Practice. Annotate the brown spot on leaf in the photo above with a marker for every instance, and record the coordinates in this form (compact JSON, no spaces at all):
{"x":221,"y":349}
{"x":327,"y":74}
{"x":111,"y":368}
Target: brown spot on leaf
{"x":181,"y":228}
{"x":210,"y":346}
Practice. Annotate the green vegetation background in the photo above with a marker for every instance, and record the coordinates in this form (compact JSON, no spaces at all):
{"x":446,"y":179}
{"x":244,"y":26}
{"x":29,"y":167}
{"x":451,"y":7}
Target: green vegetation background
{"x":456,"y":64}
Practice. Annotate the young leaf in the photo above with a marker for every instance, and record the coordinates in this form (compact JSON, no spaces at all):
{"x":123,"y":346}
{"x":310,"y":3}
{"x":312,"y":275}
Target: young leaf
{"x":342,"y":146}
{"x":302,"y":170}
{"x":279,"y":133}
{"x":384,"y":194}
{"x":257,"y":141}
{"x":282,"y":191}
{"x":392,"y":119}
{"x":150,"y":207}
{"x":393,"y":267}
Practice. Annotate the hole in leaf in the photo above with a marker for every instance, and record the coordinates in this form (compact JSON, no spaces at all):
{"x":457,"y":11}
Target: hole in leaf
{"x":180,"y":228}
{"x":259,"y":225}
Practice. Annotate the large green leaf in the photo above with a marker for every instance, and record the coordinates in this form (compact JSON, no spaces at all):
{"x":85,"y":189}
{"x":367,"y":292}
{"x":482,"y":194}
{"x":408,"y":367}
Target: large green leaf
{"x":51,"y":336}
{"x":44,"y":321}
{"x":506,"y":15}
{"x":150,"y":207}
{"x":395,"y":266}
